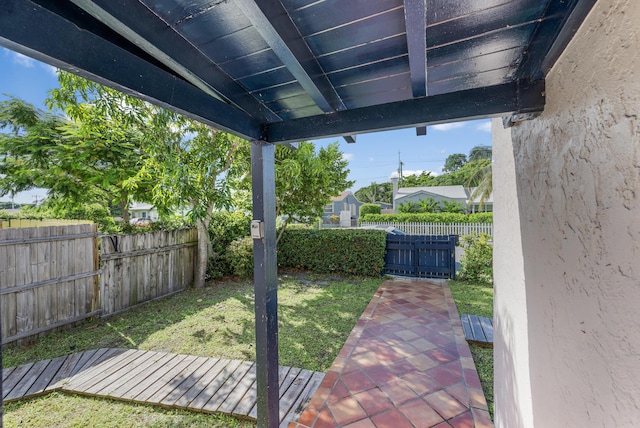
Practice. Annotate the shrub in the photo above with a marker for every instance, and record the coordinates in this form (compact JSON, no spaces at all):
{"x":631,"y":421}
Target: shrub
{"x":446,"y":218}
{"x":225,"y":227}
{"x":370,"y":209}
{"x":239,"y":257}
{"x":476,"y":264}
{"x":355,"y":252}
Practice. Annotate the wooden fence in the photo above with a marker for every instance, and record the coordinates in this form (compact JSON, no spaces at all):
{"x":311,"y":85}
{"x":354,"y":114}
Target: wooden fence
{"x":51,"y":277}
{"x":142,"y":267}
{"x":48,"y":278}
{"x":23,"y":222}
{"x":461,"y":229}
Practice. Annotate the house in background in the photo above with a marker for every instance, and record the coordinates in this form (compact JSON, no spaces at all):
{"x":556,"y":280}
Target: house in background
{"x":458,"y":194}
{"x":346,"y":206}
{"x":143,"y":210}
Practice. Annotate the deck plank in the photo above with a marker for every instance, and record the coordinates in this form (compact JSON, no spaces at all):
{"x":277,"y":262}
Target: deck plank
{"x":65,"y":371}
{"x":285,"y":382}
{"x":14,"y":379}
{"x":6,"y":372}
{"x":126,"y":362}
{"x":152,"y":377}
{"x":29,"y":378}
{"x":238,"y":392}
{"x":157,"y":387}
{"x":137,"y":375}
{"x":478,"y":334}
{"x":190,"y":381}
{"x":100,"y":371}
{"x":294,"y":391}
{"x":203,"y":398}
{"x":194,"y":392}
{"x":45,"y":378}
{"x":303,"y":399}
{"x":487,"y":327}
{"x":170,"y":380}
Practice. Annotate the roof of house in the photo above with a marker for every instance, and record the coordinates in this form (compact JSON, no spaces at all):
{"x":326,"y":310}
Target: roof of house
{"x":341,"y":196}
{"x":450,"y":192}
{"x":140,"y":206}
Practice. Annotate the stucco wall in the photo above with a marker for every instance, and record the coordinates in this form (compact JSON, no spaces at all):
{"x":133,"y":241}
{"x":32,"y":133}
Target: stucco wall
{"x":512,"y":394}
{"x":578,"y":186}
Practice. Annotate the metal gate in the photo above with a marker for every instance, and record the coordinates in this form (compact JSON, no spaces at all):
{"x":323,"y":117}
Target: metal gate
{"x":430,"y":256}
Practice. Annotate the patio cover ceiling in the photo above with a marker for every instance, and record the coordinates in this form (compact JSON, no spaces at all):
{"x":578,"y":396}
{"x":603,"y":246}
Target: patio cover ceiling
{"x":290,"y":70}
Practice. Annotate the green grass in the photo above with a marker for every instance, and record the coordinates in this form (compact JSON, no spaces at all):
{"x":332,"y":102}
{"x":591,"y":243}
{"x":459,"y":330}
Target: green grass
{"x":62,"y":410}
{"x":316,"y":315}
{"x":477,"y":299}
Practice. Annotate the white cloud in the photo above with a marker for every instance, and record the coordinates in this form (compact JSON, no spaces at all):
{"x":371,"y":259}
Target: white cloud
{"x":371,"y":159}
{"x":23,"y":60}
{"x":484,"y":126}
{"x":347,"y":156}
{"x":442,"y":151}
{"x":50,"y":69}
{"x":448,"y":126}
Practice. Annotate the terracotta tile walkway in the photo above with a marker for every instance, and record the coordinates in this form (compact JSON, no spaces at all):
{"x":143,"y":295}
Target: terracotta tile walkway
{"x":405,"y":364}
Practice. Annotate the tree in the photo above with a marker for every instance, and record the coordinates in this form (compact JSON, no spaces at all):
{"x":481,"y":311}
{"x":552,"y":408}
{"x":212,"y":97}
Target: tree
{"x":178,"y":162}
{"x":375,"y":192}
{"x":75,"y":162}
{"x":480,"y":152}
{"x":186,"y":160}
{"x":305,"y":180}
{"x":454,"y":162}
{"x":424,"y":179}
{"x":482,"y":177}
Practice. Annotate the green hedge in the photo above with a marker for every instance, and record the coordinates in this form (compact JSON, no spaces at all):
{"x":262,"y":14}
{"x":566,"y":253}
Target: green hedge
{"x":355,"y":252}
{"x":225,"y":227}
{"x":239,"y":256}
{"x":446,"y":218}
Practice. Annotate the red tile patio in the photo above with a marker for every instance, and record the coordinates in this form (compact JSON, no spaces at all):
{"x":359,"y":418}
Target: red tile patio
{"x":405,"y":364}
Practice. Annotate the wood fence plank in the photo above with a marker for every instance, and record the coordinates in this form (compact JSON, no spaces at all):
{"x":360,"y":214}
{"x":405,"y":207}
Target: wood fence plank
{"x":14,"y":379}
{"x":303,"y":399}
{"x":186,"y":399}
{"x":45,"y":379}
{"x":238,"y":391}
{"x":225,"y":388}
{"x":170,"y":380}
{"x":203,"y":366}
{"x":29,"y":378}
{"x":215,"y":384}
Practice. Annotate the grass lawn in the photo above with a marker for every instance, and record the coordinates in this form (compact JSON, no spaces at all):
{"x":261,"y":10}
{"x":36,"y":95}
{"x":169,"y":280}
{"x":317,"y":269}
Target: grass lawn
{"x":477,"y":299}
{"x":316,"y":315}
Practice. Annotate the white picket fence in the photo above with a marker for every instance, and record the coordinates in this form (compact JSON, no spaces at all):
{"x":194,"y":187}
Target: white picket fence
{"x":461,"y":229}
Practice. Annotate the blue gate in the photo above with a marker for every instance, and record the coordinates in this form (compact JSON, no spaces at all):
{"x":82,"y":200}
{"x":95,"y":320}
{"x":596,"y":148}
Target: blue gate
{"x":421,"y":256}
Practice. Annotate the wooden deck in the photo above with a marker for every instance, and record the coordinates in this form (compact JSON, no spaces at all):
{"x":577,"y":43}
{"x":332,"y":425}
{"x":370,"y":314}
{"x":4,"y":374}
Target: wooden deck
{"x":169,"y":380}
{"x":477,"y":329}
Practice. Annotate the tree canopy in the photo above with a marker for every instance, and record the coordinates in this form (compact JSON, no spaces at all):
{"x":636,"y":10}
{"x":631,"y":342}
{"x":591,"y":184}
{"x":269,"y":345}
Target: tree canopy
{"x":454,"y":162}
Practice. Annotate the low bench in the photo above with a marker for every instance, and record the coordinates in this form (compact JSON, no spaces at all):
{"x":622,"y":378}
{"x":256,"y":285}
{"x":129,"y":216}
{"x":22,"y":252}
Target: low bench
{"x":477,"y":329}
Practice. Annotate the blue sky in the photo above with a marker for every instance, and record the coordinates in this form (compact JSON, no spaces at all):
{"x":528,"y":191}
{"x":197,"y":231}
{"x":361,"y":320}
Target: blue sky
{"x":374,"y":157}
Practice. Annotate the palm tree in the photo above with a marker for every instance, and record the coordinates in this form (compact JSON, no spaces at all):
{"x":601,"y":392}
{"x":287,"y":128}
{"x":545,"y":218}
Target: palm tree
{"x":481,"y":178}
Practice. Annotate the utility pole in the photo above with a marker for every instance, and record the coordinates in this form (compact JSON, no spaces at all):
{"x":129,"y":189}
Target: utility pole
{"x":400,"y":164}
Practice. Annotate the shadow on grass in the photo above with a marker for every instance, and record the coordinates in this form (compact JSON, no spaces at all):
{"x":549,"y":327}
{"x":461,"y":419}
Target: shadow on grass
{"x":316,"y":315}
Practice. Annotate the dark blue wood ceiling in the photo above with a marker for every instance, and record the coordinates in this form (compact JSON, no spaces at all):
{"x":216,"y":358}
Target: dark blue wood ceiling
{"x":283,"y":70}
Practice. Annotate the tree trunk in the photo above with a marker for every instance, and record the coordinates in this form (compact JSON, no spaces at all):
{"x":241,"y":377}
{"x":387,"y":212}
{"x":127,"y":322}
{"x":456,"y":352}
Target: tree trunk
{"x":124,"y":206}
{"x":203,"y":253}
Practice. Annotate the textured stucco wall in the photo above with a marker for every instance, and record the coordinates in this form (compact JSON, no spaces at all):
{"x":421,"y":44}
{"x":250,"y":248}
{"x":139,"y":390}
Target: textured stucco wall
{"x":578,"y":186}
{"x":512,"y":394}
